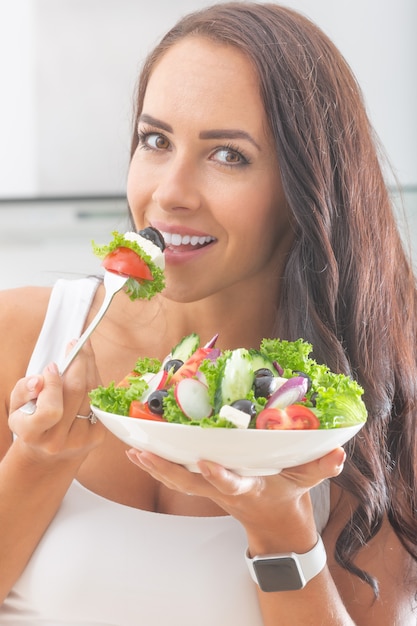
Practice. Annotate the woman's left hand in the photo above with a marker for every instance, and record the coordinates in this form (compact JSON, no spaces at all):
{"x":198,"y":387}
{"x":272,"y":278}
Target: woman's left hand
{"x":247,"y":498}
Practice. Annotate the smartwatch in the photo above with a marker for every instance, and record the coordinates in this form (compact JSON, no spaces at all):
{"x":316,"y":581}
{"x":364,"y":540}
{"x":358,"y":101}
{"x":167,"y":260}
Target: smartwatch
{"x":288,"y":571}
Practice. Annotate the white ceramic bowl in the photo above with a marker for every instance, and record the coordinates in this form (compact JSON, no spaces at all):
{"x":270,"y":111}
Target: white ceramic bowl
{"x":247,"y":452}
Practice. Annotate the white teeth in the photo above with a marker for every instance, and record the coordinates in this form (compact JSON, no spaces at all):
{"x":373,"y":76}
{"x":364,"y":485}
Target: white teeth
{"x":175,"y":239}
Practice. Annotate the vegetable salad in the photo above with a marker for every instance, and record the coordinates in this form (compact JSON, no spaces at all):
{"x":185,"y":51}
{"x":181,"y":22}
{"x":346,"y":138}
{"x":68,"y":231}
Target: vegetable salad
{"x":278,"y":386}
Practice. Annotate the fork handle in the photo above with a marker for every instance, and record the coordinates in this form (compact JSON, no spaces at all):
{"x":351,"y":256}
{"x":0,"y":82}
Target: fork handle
{"x":86,"y":334}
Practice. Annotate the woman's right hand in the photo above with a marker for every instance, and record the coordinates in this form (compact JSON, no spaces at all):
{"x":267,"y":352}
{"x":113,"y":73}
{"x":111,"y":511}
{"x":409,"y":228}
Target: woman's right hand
{"x":53,"y":432}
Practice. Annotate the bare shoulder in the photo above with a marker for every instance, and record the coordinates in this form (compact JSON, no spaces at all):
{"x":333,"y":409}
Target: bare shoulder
{"x":23,"y":302}
{"x":386,"y":560}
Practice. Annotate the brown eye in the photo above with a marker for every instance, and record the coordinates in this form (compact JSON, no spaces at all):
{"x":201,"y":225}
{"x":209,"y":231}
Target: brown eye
{"x":229,"y":156}
{"x":153,"y":141}
{"x":159,"y":142}
{"x":232,"y":157}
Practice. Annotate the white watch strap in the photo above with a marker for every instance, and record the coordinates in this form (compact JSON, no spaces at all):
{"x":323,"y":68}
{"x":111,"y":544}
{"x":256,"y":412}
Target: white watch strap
{"x":311,"y":563}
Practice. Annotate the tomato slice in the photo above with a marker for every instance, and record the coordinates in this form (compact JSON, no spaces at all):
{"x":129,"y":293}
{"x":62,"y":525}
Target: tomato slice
{"x":127,"y":262}
{"x":293,"y":417}
{"x":190,"y":367}
{"x":141,"y":410}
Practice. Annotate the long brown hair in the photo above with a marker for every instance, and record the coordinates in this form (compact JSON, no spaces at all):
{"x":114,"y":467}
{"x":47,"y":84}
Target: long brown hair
{"x":348,"y":286}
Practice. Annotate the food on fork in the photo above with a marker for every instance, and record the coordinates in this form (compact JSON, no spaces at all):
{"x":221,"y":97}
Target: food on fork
{"x":138,"y":256}
{"x":277,"y":387}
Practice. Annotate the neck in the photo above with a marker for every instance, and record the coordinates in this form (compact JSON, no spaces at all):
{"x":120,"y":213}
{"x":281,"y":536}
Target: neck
{"x":241,"y":321}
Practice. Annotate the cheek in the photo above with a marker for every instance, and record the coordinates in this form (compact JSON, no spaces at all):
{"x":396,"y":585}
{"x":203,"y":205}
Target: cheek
{"x":264,"y":233}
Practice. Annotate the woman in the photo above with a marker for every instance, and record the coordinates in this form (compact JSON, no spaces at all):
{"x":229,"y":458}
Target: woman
{"x":252,"y":137}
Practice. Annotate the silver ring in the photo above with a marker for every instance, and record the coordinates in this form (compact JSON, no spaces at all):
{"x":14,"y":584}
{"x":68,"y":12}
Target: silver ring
{"x":90,"y":417}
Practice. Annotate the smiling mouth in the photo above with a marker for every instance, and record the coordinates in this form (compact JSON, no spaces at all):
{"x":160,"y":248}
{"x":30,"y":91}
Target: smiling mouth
{"x":176,"y":242}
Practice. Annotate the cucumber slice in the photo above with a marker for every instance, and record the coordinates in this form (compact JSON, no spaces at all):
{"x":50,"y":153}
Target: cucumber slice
{"x":186,"y":347}
{"x":260,"y":361}
{"x":236,"y":378}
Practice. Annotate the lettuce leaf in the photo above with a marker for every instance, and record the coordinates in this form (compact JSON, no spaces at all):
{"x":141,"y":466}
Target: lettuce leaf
{"x":145,"y":289}
{"x":336,"y":399}
{"x":113,"y":399}
{"x":147,"y":365}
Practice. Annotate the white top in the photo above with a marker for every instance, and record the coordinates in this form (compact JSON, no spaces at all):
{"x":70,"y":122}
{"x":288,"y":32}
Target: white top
{"x":105,"y":564}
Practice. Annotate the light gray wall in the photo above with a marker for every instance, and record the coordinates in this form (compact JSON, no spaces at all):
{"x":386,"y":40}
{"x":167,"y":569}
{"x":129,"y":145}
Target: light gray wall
{"x":68,"y":71}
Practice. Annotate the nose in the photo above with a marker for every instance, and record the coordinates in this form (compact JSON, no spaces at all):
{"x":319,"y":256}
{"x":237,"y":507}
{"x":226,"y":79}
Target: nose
{"x":177,"y":186}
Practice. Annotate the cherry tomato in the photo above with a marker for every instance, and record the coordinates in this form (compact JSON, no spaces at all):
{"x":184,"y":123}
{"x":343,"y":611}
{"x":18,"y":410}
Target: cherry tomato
{"x":293,"y":417}
{"x":127,"y":262}
{"x":141,"y":410}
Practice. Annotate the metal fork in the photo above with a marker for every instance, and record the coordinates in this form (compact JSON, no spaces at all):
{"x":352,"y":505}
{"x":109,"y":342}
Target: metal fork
{"x":112,"y":284}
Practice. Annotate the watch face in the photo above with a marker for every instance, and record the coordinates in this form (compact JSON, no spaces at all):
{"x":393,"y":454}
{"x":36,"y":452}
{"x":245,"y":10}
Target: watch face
{"x":278,"y":574}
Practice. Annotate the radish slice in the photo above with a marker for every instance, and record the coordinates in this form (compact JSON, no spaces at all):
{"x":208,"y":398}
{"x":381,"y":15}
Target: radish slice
{"x":156,"y":382}
{"x":193,"y":398}
{"x":237,"y":417}
{"x":290,"y":392}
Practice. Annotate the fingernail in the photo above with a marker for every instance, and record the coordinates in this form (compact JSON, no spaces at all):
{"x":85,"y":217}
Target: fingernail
{"x":144,"y":460}
{"x":340,"y":466}
{"x":204,"y":469}
{"x":53,"y":368}
{"x":31,"y":383}
{"x":136,"y":455}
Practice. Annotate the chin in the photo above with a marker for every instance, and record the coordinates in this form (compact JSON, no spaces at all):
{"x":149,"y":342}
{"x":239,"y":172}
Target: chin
{"x":185,"y":293}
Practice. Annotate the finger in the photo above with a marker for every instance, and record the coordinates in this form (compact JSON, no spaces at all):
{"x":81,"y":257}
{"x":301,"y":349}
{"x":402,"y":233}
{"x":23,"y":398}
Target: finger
{"x":332,"y":464}
{"x":26,"y":389}
{"x":49,"y":404}
{"x":47,"y":390}
{"x":212,"y":480}
{"x":227,"y":482}
{"x":79,"y":378}
{"x":311,"y":474}
{"x":172,"y":475}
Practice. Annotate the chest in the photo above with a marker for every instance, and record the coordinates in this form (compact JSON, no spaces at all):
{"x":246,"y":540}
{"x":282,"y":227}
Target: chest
{"x":108,"y":473}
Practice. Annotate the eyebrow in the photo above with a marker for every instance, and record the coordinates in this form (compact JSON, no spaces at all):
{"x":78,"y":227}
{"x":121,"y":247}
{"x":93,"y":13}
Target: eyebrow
{"x":217,"y":133}
{"x":153,"y":121}
{"x":226,"y":133}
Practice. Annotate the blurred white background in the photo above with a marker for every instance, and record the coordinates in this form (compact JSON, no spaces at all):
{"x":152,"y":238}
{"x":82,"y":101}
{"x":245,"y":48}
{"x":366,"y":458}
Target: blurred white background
{"x":68,"y":70}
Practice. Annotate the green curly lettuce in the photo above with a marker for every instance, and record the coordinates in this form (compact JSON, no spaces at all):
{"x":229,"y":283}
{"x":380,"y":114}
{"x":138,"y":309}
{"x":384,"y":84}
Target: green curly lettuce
{"x":336,"y":399}
{"x":146,"y":366}
{"x":114,"y":399}
{"x":145,"y":289}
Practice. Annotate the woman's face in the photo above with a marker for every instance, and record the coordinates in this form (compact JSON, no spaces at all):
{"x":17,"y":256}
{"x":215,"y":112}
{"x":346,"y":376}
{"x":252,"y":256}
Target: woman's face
{"x":205,"y":173}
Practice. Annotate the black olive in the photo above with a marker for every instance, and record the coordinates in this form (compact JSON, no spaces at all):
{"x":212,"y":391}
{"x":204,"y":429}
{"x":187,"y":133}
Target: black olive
{"x":263,"y":386}
{"x":263,"y":371}
{"x":153,"y":235}
{"x":246,"y":406}
{"x":304,"y":375}
{"x":155,"y":400}
{"x":173,"y":365}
